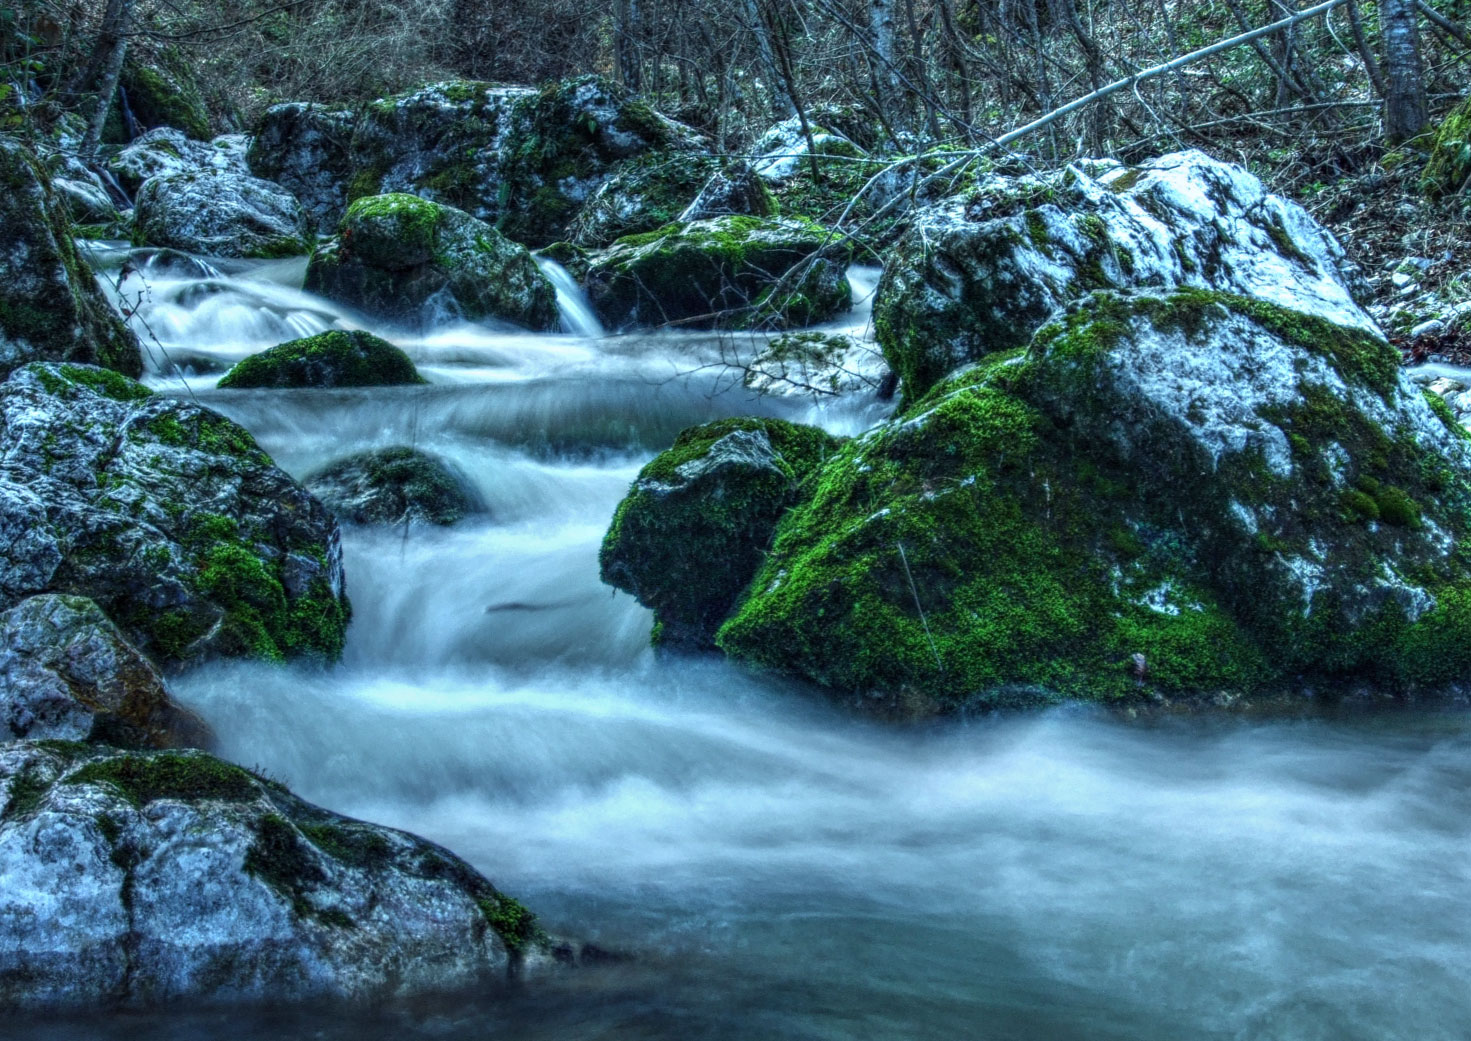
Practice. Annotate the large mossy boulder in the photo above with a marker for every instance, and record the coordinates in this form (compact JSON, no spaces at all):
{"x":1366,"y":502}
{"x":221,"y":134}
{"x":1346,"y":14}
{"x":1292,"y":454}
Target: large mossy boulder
{"x":51,"y":307}
{"x":67,"y":673}
{"x":693,"y":528}
{"x":307,"y":149}
{"x":741,"y":272}
{"x":643,"y":194}
{"x":337,"y":358}
{"x":396,"y":485}
{"x":162,"y":91}
{"x":221,"y":214}
{"x":983,"y":271}
{"x":134,"y":879}
{"x":167,"y":515}
{"x":523,"y":160}
{"x":1177,"y":495}
{"x":409,"y":260}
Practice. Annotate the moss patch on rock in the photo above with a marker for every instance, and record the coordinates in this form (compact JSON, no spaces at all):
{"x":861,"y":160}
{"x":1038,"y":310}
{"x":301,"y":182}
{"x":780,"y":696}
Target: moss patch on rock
{"x":331,"y":359}
{"x":392,"y":486}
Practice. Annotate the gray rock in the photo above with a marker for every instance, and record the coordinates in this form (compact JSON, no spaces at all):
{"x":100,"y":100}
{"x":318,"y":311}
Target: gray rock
{"x":642,"y":194}
{"x":221,"y":214}
{"x":86,"y":201}
{"x":306,"y":149}
{"x":1433,"y":327}
{"x":735,"y":191}
{"x":819,"y":365}
{"x":982,"y":272}
{"x":68,"y":674}
{"x":167,"y":151}
{"x":50,"y":304}
{"x":134,"y":879}
{"x":166,"y":514}
{"x":392,"y":486}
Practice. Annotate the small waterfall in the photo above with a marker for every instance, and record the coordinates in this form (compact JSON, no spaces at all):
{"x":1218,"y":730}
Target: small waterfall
{"x":572,"y":303}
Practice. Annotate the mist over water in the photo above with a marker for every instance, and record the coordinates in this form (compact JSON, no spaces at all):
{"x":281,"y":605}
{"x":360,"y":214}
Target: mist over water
{"x":781,"y":868}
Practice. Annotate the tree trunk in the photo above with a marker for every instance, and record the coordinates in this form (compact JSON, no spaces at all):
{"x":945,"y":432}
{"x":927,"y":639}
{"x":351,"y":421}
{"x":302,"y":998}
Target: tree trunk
{"x":781,"y":98}
{"x":886,"y":72}
{"x":1404,"y":71}
{"x":112,"y":48}
{"x":625,"y":37}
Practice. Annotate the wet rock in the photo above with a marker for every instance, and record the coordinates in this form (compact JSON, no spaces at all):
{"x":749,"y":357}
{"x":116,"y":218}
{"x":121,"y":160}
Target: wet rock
{"x":331,"y":359}
{"x":167,"y":515}
{"x":695,"y":524}
{"x":733,"y":192}
{"x":68,"y":674}
{"x":1433,"y":327}
{"x":134,"y":879}
{"x":50,"y":304}
{"x":86,"y":201}
{"x":162,"y":91}
{"x":981,"y":272}
{"x":742,"y":272}
{"x":406,"y":259}
{"x":642,"y":195}
{"x":221,"y":214}
{"x":819,"y":364}
{"x":306,"y":149}
{"x":167,"y":151}
{"x":1173,"y":495}
{"x":393,"y":486}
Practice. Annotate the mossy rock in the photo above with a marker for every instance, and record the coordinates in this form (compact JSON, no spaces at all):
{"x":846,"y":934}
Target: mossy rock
{"x":162,"y":91}
{"x":693,"y":528}
{"x":331,"y":359}
{"x":222,"y":214}
{"x":408,"y":260}
{"x":51,"y":307}
{"x":732,"y":272}
{"x":393,"y":486}
{"x":642,"y":194}
{"x":1449,"y":167}
{"x":1181,"y":496}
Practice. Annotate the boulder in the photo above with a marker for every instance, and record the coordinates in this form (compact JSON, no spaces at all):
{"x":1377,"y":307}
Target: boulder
{"x":134,"y":879}
{"x":221,"y":214}
{"x":524,"y":160}
{"x":727,"y":272}
{"x":820,"y":365}
{"x":734,"y":191}
{"x":332,"y":359}
{"x":306,"y":149}
{"x":982,"y":272}
{"x":68,"y":674}
{"x":167,"y":151}
{"x":167,"y":515}
{"x":162,"y":91}
{"x":782,"y":150}
{"x":643,"y":194}
{"x":406,"y":259}
{"x":1449,"y":166}
{"x":86,"y":201}
{"x":692,"y":530}
{"x":50,"y":304}
{"x":1163,"y":496}
{"x":394,"y":485}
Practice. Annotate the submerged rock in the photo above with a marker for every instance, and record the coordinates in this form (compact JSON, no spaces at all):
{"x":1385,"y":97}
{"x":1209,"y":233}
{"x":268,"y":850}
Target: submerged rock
{"x":331,"y":359}
{"x":406,"y":259}
{"x":133,"y":879}
{"x":392,"y":486}
{"x":524,"y":160}
{"x":694,"y":526}
{"x":166,"y":514}
{"x":50,"y":304}
{"x":1174,"y":495}
{"x":221,"y":214}
{"x":982,"y":272}
{"x":306,"y":149}
{"x":742,"y":272}
{"x":819,"y":364}
{"x":68,"y":674}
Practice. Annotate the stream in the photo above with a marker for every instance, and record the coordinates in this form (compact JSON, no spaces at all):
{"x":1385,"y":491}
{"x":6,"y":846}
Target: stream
{"x":782,"y":869}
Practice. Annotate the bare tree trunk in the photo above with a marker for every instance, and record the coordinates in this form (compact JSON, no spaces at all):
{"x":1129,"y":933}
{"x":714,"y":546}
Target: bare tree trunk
{"x":781,"y":99}
{"x":1404,"y":99}
{"x":112,"y":46}
{"x":625,"y":30}
{"x":886,"y":72}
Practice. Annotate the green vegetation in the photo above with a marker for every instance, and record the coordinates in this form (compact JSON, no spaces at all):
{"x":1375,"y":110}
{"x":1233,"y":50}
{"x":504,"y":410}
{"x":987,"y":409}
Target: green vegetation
{"x":186,"y":776}
{"x":330,"y":359}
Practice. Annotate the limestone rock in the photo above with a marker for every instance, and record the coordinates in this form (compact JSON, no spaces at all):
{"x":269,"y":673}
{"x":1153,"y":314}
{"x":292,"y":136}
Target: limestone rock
{"x":819,"y":365}
{"x":221,"y":214}
{"x":643,"y":194}
{"x":306,"y":149}
{"x":168,"y":151}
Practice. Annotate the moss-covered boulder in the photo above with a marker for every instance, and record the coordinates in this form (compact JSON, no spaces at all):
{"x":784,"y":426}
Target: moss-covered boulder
{"x":983,"y":271}
{"x":306,"y":149}
{"x":1181,"y":495}
{"x":523,"y":160}
{"x":643,"y":194}
{"x":162,"y":91}
{"x":167,"y":515}
{"x":693,"y":528}
{"x":1449,"y":167}
{"x":741,"y":272}
{"x":50,"y":304}
{"x":410,"y":260}
{"x":165,"y":151}
{"x":394,"y":485}
{"x":332,"y":359}
{"x":68,"y":674}
{"x":134,"y":879}
{"x":734,"y":191}
{"x":221,"y":214}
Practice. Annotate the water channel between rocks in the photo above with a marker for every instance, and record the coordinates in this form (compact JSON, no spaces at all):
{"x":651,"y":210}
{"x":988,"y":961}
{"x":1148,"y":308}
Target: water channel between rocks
{"x":785,"y":870}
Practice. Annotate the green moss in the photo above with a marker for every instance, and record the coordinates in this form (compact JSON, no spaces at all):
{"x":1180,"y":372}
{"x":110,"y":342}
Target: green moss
{"x":27,"y":791}
{"x":1360,"y":504}
{"x":358,"y":847}
{"x":1444,"y":414}
{"x":330,"y":359}
{"x":105,"y":382}
{"x":1450,"y":154}
{"x":515,"y":925}
{"x":186,"y":776}
{"x":280,"y":859}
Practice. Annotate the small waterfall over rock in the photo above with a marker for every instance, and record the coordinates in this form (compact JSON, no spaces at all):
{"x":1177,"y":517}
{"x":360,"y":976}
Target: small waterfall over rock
{"x":572,"y":303}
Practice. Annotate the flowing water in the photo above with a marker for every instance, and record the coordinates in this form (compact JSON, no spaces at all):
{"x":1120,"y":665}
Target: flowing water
{"x":782,"y":869}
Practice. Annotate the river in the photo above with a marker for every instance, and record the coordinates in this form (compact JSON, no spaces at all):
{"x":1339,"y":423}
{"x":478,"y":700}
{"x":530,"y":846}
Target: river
{"x":781,"y":869}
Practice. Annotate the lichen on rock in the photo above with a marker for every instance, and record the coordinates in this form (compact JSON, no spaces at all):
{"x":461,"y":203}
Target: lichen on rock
{"x":337,"y":358}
